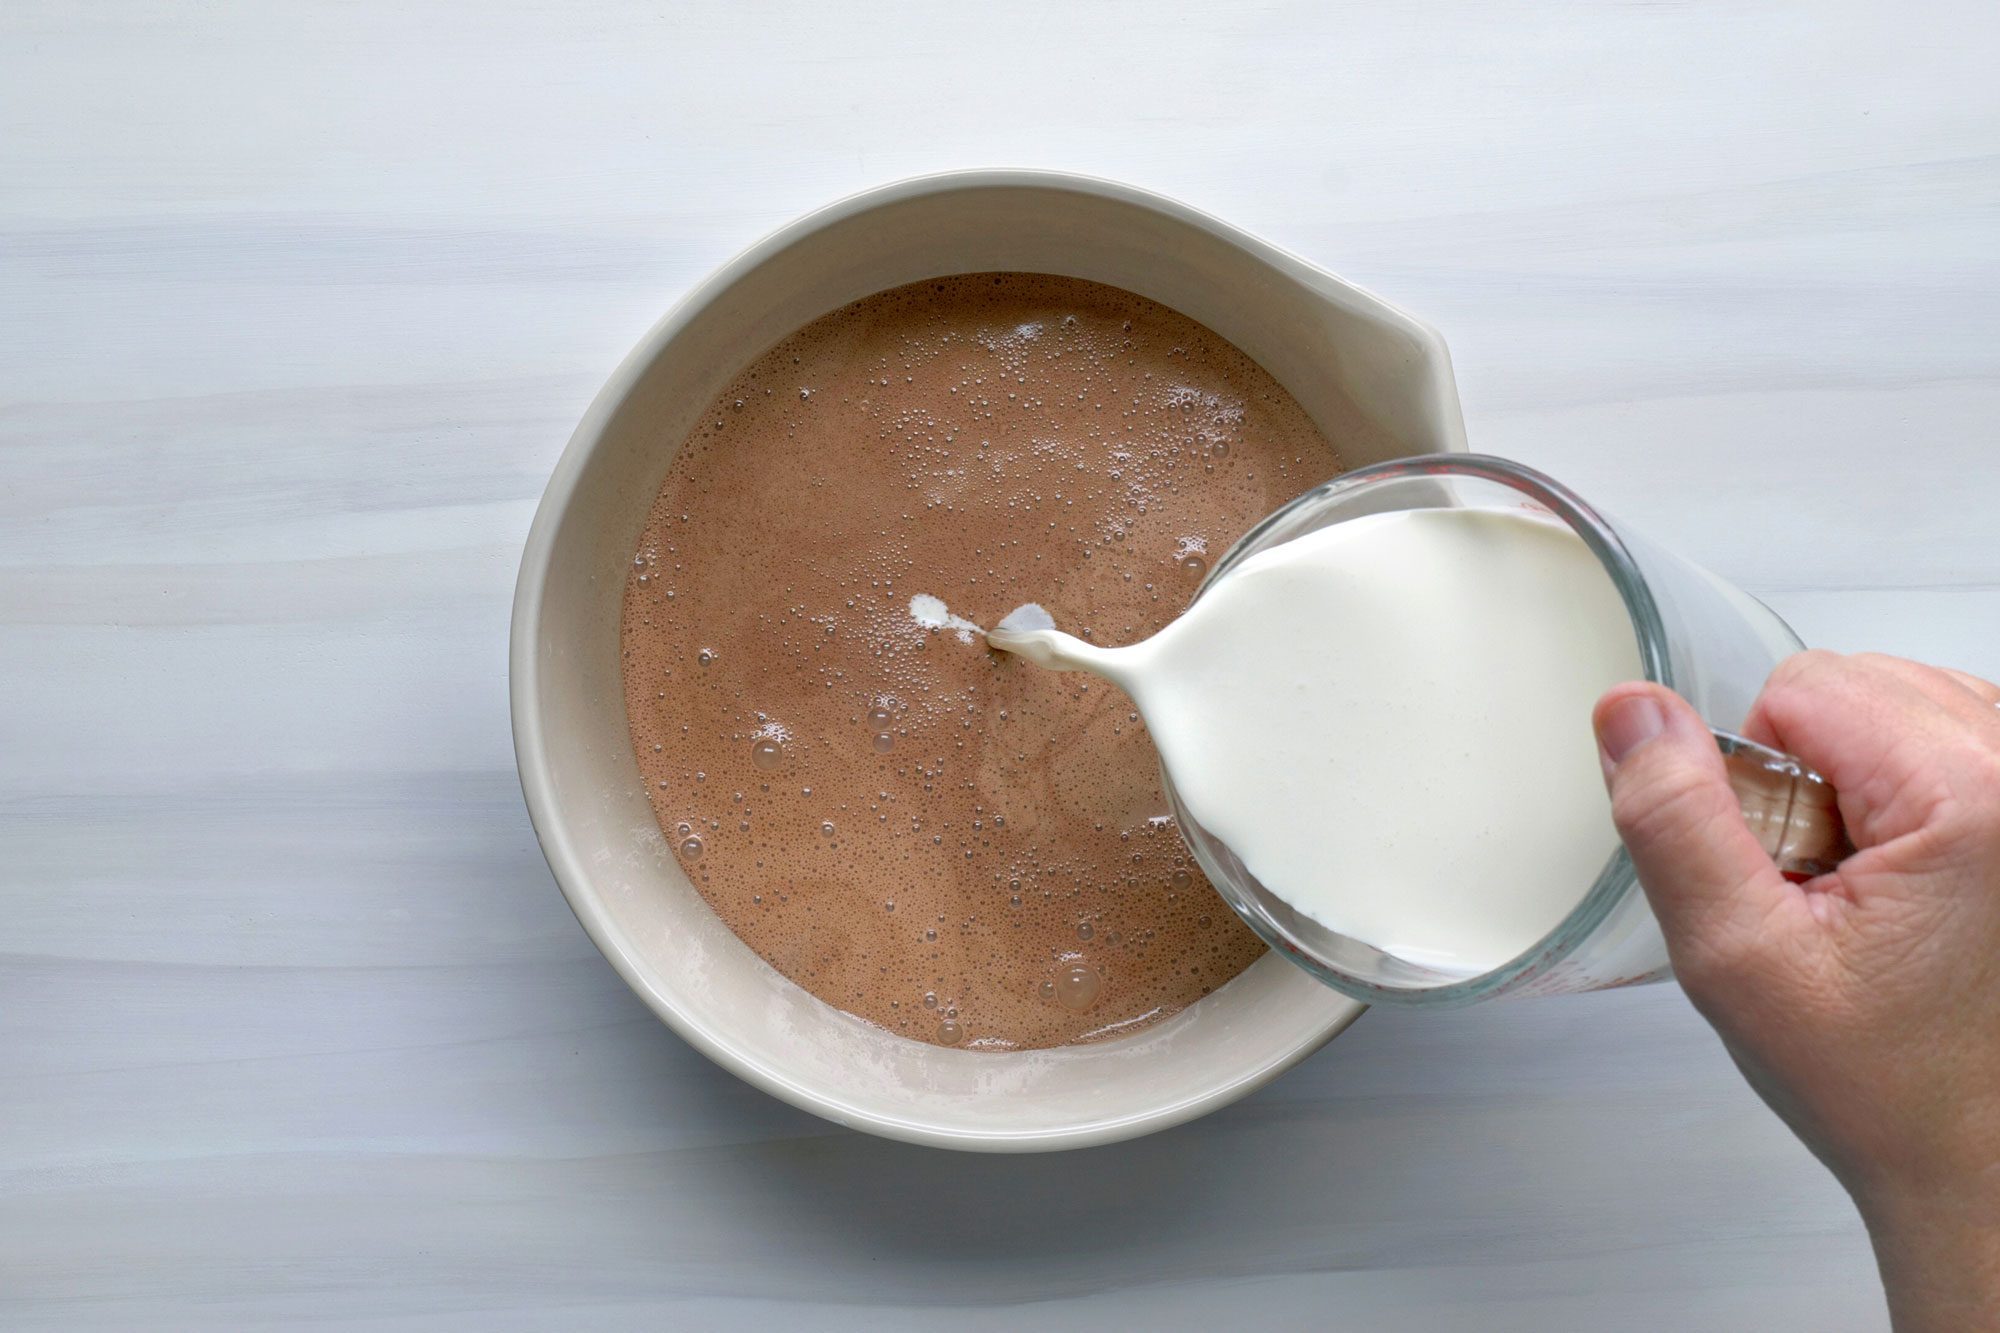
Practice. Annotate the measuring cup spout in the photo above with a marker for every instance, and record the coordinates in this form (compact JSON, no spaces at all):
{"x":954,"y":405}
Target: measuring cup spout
{"x":1791,"y":809}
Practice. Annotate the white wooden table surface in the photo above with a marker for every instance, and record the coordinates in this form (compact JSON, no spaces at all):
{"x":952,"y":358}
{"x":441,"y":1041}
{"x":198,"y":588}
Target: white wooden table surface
{"x":298,"y":303}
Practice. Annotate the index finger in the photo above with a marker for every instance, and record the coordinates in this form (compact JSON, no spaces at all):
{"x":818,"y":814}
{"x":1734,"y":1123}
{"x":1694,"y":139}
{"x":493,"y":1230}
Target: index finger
{"x":1883,"y":740}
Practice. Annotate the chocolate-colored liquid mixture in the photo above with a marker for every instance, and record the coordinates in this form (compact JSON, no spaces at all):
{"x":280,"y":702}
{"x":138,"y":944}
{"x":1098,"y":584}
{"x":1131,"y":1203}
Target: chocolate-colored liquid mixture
{"x":954,"y":845}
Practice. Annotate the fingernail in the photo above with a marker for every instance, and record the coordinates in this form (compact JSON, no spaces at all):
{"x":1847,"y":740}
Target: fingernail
{"x":1627,"y":725}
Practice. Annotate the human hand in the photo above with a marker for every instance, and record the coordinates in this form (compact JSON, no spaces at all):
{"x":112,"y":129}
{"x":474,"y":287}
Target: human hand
{"x":1863,"y":1005}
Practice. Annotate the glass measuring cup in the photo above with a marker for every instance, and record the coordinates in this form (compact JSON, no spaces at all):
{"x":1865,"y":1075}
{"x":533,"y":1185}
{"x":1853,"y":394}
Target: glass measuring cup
{"x":1696,"y":634}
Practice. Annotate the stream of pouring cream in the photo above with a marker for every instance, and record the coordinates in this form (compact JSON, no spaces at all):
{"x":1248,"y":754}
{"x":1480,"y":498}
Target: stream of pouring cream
{"x":1388,"y":722}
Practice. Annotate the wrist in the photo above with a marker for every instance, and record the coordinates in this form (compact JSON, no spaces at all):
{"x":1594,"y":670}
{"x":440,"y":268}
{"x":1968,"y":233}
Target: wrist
{"x":1939,"y":1252}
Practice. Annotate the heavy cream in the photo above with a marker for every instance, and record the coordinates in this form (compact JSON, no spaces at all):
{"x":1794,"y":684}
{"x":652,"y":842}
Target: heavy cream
{"x":1388,"y":721}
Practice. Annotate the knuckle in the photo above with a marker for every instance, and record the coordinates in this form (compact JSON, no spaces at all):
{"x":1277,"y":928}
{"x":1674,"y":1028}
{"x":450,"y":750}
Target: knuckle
{"x":1804,"y":687}
{"x":1800,"y":666}
{"x":1880,"y":662}
{"x":1803,"y":674}
{"x":1661,"y":801}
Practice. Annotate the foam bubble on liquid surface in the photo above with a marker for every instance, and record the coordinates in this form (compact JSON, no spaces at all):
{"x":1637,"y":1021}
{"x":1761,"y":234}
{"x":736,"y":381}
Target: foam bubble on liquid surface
{"x":968,"y":445}
{"x":931,"y":613}
{"x":1026,"y":619}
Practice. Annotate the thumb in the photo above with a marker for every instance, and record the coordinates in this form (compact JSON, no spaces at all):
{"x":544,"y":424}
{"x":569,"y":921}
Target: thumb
{"x":1712,"y":886}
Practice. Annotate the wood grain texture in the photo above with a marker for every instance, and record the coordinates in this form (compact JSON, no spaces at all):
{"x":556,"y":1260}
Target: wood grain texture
{"x":299,"y":304}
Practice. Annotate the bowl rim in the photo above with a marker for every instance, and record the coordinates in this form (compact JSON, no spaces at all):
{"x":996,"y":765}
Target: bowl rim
{"x":524,"y":682}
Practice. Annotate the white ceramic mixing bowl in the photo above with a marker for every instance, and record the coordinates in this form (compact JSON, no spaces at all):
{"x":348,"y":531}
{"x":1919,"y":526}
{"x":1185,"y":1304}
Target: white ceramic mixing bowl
{"x":1376,"y":381}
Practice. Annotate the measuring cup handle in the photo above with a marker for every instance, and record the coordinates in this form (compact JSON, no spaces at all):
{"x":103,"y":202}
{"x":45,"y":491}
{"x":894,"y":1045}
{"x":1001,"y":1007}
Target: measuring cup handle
{"x":1789,"y":807}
